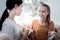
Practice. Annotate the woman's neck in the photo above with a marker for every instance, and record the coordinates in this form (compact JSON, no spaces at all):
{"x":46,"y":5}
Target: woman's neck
{"x":11,"y":15}
{"x":42,"y":22}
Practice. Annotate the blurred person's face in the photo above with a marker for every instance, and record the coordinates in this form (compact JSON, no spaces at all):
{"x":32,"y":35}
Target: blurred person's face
{"x":18,"y":9}
{"x":43,"y":12}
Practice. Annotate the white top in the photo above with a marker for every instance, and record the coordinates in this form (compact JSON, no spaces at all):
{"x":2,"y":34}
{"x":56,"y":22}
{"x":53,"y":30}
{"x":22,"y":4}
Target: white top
{"x":11,"y":28}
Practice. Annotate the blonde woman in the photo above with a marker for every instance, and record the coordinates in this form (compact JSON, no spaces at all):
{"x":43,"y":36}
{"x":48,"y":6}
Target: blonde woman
{"x":44,"y":27}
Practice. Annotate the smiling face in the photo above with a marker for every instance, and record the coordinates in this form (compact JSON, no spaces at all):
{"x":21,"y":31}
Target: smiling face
{"x":43,"y":12}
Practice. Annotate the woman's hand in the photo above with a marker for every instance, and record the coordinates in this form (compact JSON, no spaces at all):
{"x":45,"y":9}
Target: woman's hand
{"x":30,"y":34}
{"x":51,"y":33}
{"x":27,"y":34}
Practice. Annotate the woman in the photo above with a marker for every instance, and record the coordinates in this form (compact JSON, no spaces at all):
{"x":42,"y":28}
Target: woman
{"x":7,"y":23}
{"x":43,"y":27}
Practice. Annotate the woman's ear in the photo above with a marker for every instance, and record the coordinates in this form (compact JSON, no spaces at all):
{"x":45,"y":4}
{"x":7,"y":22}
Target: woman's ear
{"x":16,"y":6}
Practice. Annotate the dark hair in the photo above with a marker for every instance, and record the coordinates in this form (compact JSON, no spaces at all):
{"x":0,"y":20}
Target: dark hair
{"x":10,"y":4}
{"x":48,"y":16}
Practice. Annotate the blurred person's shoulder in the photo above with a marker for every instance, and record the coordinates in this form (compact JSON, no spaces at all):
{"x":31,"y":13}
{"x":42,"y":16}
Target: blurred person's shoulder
{"x":51,"y":23}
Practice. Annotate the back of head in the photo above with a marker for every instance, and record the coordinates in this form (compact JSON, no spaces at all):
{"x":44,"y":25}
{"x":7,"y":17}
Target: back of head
{"x":10,"y":4}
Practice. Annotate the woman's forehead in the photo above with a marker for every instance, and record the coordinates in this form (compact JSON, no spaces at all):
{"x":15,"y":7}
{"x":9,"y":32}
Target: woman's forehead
{"x":43,"y":8}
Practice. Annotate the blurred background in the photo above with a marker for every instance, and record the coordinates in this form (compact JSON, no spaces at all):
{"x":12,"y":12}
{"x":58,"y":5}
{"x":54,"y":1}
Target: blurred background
{"x":30,"y":10}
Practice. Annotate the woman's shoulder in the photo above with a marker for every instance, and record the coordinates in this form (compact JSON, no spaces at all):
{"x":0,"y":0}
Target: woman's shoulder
{"x":7,"y":22}
{"x":52,"y":26}
{"x":51,"y":22}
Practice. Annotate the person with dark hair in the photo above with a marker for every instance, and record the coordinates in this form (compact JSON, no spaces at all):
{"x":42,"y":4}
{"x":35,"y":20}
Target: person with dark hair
{"x":43,"y":27}
{"x":7,"y":23}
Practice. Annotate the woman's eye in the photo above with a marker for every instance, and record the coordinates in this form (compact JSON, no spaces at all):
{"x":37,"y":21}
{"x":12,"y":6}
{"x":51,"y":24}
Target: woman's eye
{"x":43,"y":11}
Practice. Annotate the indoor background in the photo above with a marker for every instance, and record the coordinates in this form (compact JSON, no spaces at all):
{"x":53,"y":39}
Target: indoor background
{"x":30,"y":7}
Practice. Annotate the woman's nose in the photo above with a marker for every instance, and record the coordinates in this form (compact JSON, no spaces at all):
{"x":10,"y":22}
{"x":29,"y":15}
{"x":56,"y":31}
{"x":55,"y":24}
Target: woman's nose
{"x":40,"y":14}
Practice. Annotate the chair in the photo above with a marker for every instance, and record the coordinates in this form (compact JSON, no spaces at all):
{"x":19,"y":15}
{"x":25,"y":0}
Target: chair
{"x":57,"y":36}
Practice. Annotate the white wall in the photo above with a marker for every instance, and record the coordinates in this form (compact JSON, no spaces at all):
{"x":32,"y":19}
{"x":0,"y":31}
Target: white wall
{"x":2,"y":6}
{"x":55,"y":10}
